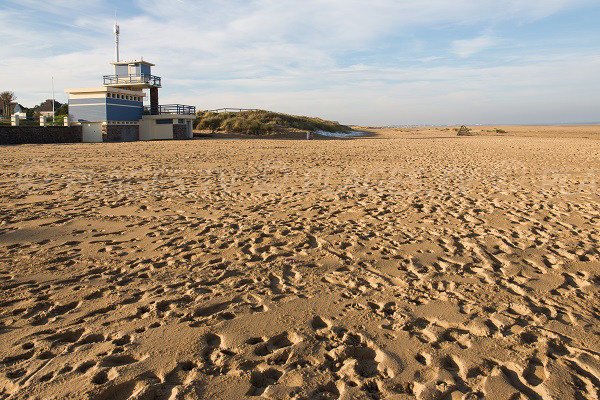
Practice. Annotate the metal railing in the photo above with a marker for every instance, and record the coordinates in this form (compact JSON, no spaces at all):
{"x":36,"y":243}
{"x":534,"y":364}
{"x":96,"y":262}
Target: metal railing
{"x":220,"y":110}
{"x":132,"y":79}
{"x":170,"y":109}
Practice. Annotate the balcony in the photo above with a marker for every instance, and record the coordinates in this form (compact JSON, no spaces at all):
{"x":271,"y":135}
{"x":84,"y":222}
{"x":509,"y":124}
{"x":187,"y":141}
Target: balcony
{"x":170,"y":109}
{"x":133,"y":80}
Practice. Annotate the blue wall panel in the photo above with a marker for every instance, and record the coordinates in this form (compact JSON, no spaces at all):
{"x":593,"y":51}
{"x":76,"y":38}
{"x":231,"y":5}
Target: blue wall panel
{"x":120,"y":113}
{"x":99,"y":100}
{"x":105,"y":109}
{"x":122,"y":70}
{"x":104,"y":100}
{"x":146,"y":69}
{"x":124,"y":102}
{"x":85,"y":113}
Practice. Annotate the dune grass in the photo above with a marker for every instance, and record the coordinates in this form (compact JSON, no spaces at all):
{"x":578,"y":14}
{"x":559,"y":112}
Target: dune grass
{"x":263,"y":122}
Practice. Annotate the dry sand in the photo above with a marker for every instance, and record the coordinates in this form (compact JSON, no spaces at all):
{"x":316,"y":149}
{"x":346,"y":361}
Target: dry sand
{"x":411,"y":263}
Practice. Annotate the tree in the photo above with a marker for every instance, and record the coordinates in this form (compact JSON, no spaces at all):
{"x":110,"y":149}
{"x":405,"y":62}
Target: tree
{"x":47,"y":105}
{"x":63,"y":109}
{"x":7,"y":99}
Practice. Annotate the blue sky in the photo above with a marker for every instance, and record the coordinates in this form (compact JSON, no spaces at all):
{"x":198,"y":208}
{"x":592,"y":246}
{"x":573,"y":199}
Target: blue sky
{"x":378,"y":62}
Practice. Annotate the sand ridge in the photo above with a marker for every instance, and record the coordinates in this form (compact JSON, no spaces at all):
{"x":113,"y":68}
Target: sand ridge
{"x":406,"y":264}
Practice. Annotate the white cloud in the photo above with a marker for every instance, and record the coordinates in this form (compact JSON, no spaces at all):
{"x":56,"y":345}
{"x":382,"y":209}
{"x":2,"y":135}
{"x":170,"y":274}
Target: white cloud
{"x":284,"y":55}
{"x":468,"y":47}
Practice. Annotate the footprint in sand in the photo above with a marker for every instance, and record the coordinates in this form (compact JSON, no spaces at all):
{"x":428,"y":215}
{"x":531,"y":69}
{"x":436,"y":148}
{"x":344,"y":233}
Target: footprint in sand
{"x":216,"y":359}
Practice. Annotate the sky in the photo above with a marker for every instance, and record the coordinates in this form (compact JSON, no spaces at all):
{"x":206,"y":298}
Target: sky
{"x":377,"y":62}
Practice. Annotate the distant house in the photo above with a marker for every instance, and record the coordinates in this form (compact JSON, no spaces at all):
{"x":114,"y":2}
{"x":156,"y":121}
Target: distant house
{"x":46,"y":110}
{"x":18,"y":110}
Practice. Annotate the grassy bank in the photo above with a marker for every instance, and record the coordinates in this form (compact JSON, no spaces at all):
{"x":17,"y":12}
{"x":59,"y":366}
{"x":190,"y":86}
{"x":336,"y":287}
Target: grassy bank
{"x":262,"y":123}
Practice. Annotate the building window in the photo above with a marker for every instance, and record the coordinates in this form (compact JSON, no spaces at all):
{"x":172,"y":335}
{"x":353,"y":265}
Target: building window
{"x":180,"y":121}
{"x":164,"y":122}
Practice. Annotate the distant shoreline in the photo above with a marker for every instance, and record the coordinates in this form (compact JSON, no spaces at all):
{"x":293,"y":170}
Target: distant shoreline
{"x":450,"y":126}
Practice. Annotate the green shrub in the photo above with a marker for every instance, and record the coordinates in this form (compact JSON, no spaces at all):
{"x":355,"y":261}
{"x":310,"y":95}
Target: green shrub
{"x":262,"y":122}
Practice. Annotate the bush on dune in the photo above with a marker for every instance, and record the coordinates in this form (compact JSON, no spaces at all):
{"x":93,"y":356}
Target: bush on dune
{"x":263,"y":122}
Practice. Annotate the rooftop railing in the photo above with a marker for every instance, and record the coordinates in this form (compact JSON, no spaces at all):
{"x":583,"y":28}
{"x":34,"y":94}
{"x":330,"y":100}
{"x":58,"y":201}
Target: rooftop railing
{"x":170,"y":109}
{"x":132,"y":79}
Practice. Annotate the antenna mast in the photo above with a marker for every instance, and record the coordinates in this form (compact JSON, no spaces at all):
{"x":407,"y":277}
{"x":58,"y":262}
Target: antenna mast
{"x":117,"y":31}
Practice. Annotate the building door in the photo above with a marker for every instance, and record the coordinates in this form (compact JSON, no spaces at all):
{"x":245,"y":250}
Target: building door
{"x":92,"y":132}
{"x":190,"y":133}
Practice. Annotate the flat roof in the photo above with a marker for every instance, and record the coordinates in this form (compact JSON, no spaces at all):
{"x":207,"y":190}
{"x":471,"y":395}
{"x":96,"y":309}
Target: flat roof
{"x":132,"y":62}
{"x":104,"y":89}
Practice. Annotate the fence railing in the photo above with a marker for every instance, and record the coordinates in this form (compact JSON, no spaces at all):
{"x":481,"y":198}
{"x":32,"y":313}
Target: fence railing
{"x":132,"y":79}
{"x":220,"y":110}
{"x":170,"y":109}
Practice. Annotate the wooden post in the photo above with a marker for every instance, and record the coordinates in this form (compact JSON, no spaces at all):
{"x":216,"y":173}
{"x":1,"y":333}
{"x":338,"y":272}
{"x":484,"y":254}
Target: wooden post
{"x":154,"y":101}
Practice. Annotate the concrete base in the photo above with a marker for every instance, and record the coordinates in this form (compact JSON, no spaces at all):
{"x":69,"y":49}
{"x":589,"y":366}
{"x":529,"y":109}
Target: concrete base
{"x":180,"y":131}
{"x":120,"y":133}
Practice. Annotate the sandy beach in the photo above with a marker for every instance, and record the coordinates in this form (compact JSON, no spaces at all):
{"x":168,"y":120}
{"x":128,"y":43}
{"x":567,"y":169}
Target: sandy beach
{"x":410,"y":263}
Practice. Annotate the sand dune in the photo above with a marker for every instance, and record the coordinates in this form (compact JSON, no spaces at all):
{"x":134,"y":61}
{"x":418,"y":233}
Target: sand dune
{"x":406,"y":264}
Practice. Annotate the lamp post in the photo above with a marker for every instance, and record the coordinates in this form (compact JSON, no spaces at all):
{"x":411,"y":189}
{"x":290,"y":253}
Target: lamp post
{"x":53,"y":102}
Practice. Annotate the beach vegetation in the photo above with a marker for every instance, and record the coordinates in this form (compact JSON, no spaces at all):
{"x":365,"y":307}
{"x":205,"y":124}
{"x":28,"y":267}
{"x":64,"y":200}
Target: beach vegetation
{"x":260,"y":122}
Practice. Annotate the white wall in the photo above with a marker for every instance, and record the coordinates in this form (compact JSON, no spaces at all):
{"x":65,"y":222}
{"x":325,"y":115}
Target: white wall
{"x":149,"y":130}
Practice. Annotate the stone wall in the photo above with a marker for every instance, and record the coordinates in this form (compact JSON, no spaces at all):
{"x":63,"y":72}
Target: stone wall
{"x":179,"y":131}
{"x":120,"y":133}
{"x":39,"y":134}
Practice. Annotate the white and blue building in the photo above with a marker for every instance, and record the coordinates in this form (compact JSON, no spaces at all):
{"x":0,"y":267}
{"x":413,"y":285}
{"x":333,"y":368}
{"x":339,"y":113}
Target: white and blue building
{"x":117,"y":111}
